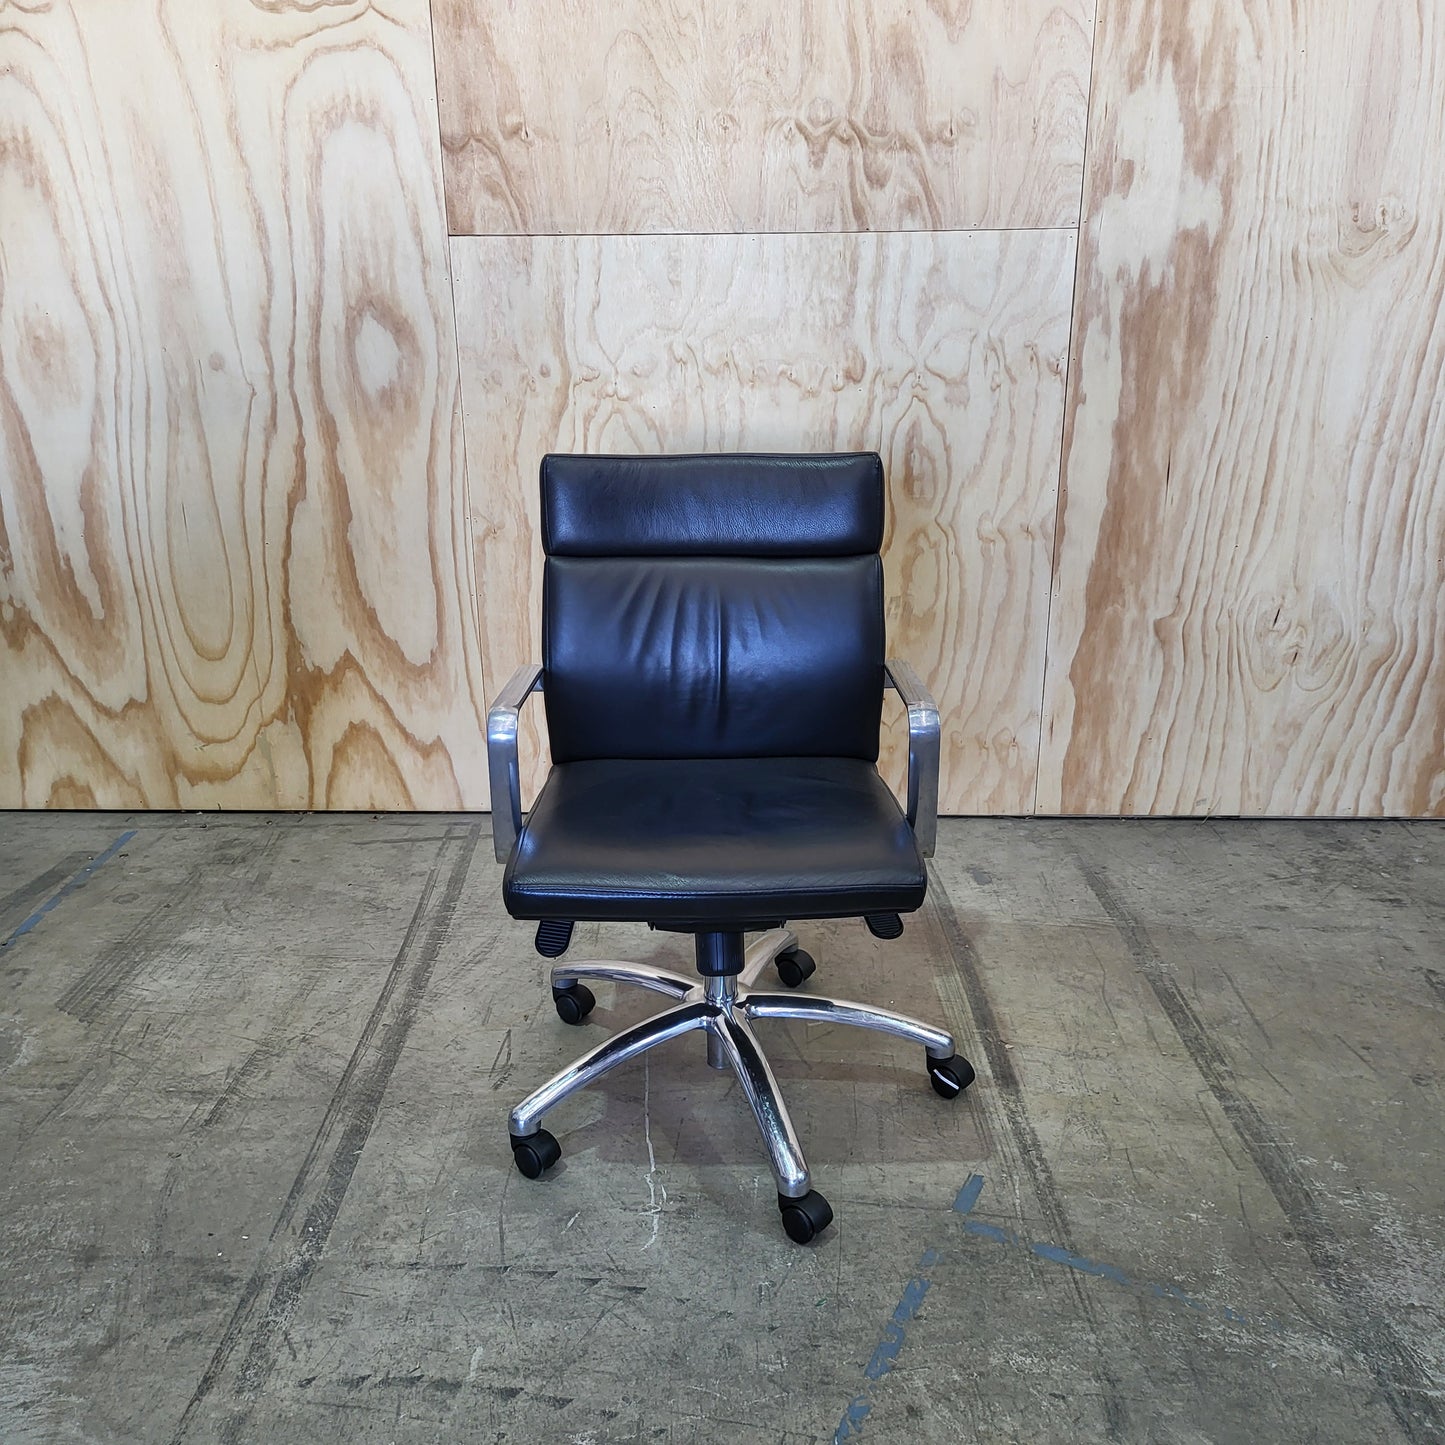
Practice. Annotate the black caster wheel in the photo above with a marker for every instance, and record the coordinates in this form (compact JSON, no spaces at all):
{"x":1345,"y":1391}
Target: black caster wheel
{"x":795,"y":966}
{"x":806,"y":1218}
{"x":573,"y":1004}
{"x":535,"y":1153}
{"x":950,"y":1076}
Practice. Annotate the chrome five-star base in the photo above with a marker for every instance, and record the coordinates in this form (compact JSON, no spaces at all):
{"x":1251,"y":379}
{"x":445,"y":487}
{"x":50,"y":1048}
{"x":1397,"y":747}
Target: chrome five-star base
{"x":725,"y":1008}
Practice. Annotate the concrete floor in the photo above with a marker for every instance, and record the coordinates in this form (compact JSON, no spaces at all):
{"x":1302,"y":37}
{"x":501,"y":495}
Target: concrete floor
{"x":254,"y":1073}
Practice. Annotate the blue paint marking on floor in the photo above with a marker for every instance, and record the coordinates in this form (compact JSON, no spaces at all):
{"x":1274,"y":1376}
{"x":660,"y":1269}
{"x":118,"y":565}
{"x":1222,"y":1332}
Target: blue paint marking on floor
{"x":66,"y":889}
{"x":907,"y":1311}
{"x":896,"y":1332}
{"x":1077,"y":1261}
{"x":886,"y":1355}
{"x":968,"y":1195}
{"x":982,"y":1229}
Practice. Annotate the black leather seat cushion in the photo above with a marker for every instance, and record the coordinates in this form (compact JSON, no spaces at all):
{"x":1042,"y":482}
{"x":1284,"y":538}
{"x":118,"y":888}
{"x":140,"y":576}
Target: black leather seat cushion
{"x":715,"y":842}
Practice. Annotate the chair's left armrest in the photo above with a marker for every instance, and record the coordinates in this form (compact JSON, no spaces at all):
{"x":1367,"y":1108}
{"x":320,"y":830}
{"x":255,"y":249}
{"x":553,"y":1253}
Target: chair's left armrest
{"x":923,"y":748}
{"x":502,"y":757}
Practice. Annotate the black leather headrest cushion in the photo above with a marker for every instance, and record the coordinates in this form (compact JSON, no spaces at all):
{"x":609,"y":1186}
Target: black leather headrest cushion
{"x":734,"y":505}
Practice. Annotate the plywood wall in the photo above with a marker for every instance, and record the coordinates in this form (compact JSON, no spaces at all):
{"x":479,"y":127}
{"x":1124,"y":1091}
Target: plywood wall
{"x":942,"y":351}
{"x":690,"y":139}
{"x":235,"y":568}
{"x":1160,"y":413}
{"x":1249,"y":608}
{"x":821,"y":115}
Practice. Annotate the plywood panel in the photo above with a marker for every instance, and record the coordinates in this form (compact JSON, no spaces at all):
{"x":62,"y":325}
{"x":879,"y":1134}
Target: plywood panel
{"x":944,"y":352}
{"x":1249,"y":613}
{"x":234,"y":566}
{"x":564,"y":116}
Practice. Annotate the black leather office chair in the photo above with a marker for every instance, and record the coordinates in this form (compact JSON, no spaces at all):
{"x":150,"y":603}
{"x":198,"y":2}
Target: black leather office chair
{"x":713,"y":672}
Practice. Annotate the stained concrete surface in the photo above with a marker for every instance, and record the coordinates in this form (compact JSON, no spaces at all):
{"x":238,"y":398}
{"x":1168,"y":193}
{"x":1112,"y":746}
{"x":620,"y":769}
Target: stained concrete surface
{"x":254,"y":1075}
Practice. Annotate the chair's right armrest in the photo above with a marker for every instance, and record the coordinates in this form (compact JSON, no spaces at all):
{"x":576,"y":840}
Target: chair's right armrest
{"x":502,"y":757}
{"x":923,"y":749}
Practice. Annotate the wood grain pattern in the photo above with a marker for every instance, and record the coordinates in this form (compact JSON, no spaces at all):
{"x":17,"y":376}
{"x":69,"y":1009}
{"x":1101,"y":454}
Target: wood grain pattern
{"x":1249,"y":613}
{"x":566,"y":117}
{"x":234,"y":565}
{"x":944,"y":352}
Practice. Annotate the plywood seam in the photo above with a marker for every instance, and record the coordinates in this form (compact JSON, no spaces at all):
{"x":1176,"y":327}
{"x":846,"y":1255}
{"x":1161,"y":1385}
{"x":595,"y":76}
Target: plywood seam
{"x":713,"y":235}
{"x":473,"y":594}
{"x":1064,"y":416}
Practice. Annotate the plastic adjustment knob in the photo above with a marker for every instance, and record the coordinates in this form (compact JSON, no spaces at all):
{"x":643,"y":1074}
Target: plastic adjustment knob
{"x":795,"y":966}
{"x":554,"y":935}
{"x":534,"y":1154}
{"x":884,"y":925}
{"x":805,"y":1218}
{"x":950,"y":1076}
{"x":574,"y":1003}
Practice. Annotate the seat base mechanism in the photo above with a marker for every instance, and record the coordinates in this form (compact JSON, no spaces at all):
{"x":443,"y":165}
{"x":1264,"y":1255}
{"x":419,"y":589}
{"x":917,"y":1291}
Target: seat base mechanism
{"x":724,"y":1007}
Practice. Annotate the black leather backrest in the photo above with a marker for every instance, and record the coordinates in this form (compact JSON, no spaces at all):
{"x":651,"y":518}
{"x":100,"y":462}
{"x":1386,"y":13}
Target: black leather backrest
{"x":713,"y":606}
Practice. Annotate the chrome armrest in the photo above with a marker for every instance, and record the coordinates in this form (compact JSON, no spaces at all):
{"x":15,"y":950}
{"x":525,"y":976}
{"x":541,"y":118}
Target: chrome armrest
{"x":923,"y":747}
{"x":502,"y":757}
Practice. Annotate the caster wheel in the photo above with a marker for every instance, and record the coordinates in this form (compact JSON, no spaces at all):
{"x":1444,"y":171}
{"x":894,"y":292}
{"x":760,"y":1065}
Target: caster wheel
{"x":806,"y":1218}
{"x":573,"y":1004}
{"x":795,"y":966}
{"x":950,"y":1076}
{"x":535,"y":1153}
